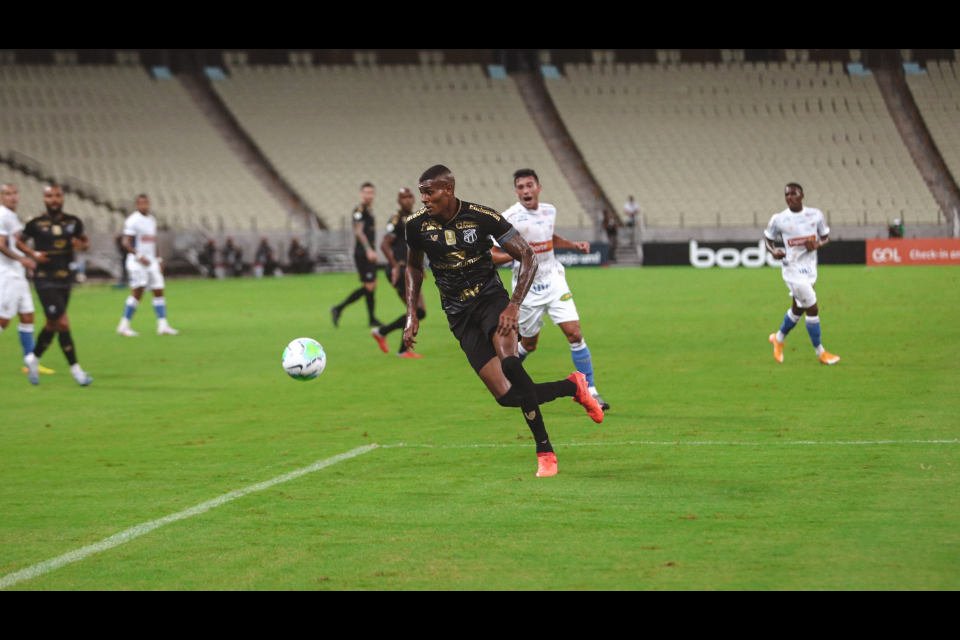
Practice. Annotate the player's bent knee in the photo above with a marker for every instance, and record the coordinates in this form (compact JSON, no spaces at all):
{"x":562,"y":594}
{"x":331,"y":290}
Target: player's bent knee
{"x":511,"y":367}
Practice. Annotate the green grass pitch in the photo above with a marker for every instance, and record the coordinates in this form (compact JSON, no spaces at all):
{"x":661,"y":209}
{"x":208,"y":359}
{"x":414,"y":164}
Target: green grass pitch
{"x":715,"y":469}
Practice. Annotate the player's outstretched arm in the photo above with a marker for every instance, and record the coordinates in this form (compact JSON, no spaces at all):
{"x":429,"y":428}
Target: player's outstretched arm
{"x":559,"y":242}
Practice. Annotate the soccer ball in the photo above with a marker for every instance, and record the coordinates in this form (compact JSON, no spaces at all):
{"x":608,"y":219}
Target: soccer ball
{"x":304,"y":359}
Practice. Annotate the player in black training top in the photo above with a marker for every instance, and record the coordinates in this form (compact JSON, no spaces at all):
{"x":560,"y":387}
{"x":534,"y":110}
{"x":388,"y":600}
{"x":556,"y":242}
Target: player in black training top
{"x":456,"y":236}
{"x":394,"y":247}
{"x":55,"y":235}
{"x":364,"y":256}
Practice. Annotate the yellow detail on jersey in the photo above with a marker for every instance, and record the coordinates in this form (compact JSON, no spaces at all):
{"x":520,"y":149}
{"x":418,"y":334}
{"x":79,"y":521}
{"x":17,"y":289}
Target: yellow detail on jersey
{"x":57,"y":230}
{"x":482,"y":209}
{"x":59,"y":244}
{"x":567,"y":296}
{"x":455,"y":265}
{"x":449,"y":236}
{"x":466,"y":224}
{"x":472,"y":292}
{"x":459,"y":256}
{"x":429,"y":225}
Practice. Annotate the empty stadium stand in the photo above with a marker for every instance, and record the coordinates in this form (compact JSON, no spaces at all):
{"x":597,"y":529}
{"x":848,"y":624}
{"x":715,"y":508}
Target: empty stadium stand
{"x":712,"y":144}
{"x":115,"y":127}
{"x":328,"y":128}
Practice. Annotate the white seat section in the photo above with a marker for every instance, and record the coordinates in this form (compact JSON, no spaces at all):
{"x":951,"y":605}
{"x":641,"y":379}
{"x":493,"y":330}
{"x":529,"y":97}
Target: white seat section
{"x":702,"y":146}
{"x":126,"y":133}
{"x":94,"y":217}
{"x":328,"y":129}
{"x":937,"y":94}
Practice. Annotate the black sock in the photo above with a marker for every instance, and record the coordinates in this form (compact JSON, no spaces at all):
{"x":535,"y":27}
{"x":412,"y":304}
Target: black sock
{"x":527,"y":394}
{"x":353,"y":297}
{"x":66,"y":344}
{"x":43,"y":341}
{"x":393,"y":326}
{"x":369,"y":296}
{"x":546,"y":392}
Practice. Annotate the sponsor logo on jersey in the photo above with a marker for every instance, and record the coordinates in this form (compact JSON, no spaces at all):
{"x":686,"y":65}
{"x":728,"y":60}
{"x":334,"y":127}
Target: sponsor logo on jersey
{"x":796,"y":242}
{"x":429,"y":225}
{"x":490,"y":212}
{"x":449,"y":236}
{"x":542,"y":247}
{"x":57,"y":230}
{"x":472,"y":292}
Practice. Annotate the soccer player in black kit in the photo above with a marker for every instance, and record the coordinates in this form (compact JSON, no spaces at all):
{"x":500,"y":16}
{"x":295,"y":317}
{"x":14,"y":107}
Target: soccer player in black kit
{"x":55,"y":235}
{"x":364,"y":256}
{"x":456,"y":236}
{"x":394,"y":247}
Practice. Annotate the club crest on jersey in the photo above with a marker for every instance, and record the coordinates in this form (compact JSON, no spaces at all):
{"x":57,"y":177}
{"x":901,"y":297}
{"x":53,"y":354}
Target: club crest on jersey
{"x":469,"y":236}
{"x":449,"y":236}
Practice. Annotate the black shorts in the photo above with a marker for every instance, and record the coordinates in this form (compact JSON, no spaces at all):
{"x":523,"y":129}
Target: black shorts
{"x":53,"y":298}
{"x":365,"y":269}
{"x":474,"y":328}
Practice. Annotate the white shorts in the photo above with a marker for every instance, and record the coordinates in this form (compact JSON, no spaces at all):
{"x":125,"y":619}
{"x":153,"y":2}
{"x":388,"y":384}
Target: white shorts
{"x":15,"y":296}
{"x":144,"y":276}
{"x":803,"y":293}
{"x":561,"y":309}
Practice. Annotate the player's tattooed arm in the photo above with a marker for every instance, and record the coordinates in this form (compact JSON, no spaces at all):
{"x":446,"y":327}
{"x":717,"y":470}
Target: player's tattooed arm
{"x":413,"y":281}
{"x":520,"y":250}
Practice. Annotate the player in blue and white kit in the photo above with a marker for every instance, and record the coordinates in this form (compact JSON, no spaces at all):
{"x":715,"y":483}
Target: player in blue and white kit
{"x":15,"y":296}
{"x":802,"y":230}
{"x":550,"y":292}
{"x":143,"y":265}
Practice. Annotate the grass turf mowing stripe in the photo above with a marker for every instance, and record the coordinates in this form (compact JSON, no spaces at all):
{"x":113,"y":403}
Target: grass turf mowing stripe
{"x":141,"y":529}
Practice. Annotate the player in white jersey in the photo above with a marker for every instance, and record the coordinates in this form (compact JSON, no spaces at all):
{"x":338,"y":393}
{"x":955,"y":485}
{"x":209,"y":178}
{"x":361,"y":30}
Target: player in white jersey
{"x":549,"y":293}
{"x":15,"y":296}
{"x":143,"y":265}
{"x":802,"y":230}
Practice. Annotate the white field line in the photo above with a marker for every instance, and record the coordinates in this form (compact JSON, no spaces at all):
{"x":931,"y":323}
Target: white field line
{"x":141,"y":529}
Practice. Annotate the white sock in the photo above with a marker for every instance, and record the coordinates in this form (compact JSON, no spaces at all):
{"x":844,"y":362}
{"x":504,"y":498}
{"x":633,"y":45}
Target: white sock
{"x":76,"y":370}
{"x":593,"y":390}
{"x":820,"y":349}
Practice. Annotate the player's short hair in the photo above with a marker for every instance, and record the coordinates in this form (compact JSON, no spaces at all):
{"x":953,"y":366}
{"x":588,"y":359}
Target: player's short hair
{"x":438,"y":171}
{"x":52,"y":185}
{"x":142,"y":195}
{"x":405,"y":191}
{"x":525,"y":173}
{"x":796,"y":185}
{"x":367,"y":184}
